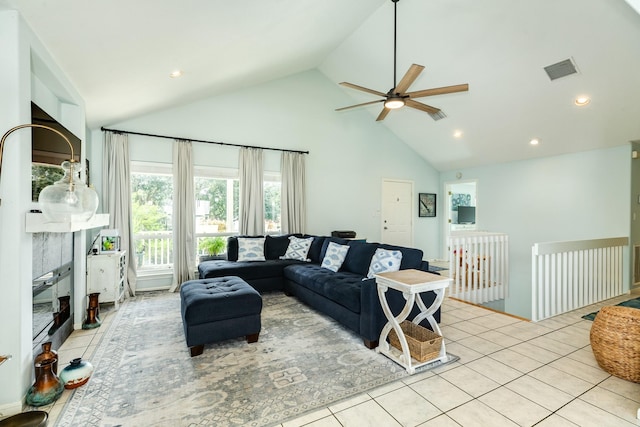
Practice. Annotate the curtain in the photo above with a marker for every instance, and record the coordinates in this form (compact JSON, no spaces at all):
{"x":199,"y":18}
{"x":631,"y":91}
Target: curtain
{"x":251,"y":194}
{"x":184,"y":240}
{"x":116,"y":198}
{"x":294,"y":206}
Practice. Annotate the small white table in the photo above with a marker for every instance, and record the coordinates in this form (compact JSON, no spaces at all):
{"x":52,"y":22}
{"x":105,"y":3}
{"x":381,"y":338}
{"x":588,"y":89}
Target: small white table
{"x":410,"y":283}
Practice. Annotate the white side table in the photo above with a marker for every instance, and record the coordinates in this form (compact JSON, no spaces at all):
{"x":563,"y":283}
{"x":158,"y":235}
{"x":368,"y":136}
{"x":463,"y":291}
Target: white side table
{"x":410,"y":283}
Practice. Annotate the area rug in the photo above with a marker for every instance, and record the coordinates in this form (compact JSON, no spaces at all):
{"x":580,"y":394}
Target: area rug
{"x":434,"y":268}
{"x":633,"y":303}
{"x":144,"y":375}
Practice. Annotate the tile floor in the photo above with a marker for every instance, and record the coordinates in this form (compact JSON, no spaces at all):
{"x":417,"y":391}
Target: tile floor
{"x":510,"y":373}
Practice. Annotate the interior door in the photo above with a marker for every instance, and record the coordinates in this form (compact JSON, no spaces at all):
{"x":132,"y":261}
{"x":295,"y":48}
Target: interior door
{"x":397,"y":209}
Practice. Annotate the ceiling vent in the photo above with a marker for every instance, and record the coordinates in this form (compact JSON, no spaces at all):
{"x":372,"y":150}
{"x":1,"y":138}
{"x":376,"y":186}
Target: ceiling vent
{"x":561,"y":69}
{"x":439,"y":115}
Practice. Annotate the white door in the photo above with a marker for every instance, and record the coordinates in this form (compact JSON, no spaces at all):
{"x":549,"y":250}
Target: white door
{"x":397,"y":212}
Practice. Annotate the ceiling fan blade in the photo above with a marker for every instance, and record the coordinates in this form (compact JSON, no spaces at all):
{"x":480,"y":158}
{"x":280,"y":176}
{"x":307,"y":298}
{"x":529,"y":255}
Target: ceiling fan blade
{"x":412,"y":74}
{"x":420,"y":106}
{"x":383,"y":114}
{"x":363,"y":89}
{"x":438,"y":91}
{"x":360,"y":105}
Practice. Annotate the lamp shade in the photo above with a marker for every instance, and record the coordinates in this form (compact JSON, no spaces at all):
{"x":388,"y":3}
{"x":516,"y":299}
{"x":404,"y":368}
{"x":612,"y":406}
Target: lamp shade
{"x":69,"y":199}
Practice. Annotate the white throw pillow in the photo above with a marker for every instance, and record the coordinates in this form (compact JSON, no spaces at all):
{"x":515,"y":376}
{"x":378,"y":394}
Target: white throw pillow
{"x":334,"y":257}
{"x":298,"y":248}
{"x":384,"y":260}
{"x":250,"y":248}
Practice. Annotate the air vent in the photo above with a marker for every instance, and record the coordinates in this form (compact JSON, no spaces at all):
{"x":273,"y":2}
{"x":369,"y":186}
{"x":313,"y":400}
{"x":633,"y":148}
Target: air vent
{"x":438,"y":116}
{"x":561,"y":69}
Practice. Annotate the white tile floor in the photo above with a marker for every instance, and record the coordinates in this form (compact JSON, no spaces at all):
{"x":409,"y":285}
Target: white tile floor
{"x":510,"y":373}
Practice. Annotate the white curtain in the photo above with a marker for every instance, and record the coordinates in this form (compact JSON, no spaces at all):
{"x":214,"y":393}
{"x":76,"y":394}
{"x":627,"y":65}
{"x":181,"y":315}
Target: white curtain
{"x":294,"y":206}
{"x":116,"y":197}
{"x":251,"y":194}
{"x":184,"y":240}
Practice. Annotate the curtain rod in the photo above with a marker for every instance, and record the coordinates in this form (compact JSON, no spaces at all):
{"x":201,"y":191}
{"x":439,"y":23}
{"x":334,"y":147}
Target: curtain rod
{"x":201,"y":140}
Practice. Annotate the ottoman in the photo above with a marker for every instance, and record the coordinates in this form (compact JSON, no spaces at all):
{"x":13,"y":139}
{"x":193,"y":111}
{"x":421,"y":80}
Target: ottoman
{"x":219,"y":309}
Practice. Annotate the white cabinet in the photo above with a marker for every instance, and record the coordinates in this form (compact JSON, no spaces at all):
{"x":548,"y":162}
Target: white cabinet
{"x":106,"y":275}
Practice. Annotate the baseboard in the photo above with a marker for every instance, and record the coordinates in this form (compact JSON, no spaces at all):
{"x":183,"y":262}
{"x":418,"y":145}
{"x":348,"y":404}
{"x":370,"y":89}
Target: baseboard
{"x":9,"y":409}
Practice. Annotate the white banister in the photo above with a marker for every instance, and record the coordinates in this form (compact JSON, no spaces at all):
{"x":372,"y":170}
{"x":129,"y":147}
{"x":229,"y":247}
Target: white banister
{"x":478,"y":262}
{"x":568,"y":275}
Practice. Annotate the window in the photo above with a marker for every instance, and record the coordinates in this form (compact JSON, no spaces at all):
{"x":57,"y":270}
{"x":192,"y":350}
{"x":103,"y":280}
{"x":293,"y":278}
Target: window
{"x":152,"y":207}
{"x":272,"y":204}
{"x":217,"y":195}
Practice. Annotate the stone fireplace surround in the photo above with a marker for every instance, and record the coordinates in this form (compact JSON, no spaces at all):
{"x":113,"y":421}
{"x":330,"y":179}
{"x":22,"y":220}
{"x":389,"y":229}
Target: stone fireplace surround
{"x":52,"y":275}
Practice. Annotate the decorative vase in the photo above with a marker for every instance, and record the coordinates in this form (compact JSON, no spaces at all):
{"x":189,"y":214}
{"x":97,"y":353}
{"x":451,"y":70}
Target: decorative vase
{"x":47,"y":387}
{"x":65,"y":306}
{"x":92,"y":321}
{"x":47,"y":353}
{"x":77,"y":373}
{"x":94,"y":302}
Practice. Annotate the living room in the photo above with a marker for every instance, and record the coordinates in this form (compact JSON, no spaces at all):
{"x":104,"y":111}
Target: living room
{"x":582,"y":193}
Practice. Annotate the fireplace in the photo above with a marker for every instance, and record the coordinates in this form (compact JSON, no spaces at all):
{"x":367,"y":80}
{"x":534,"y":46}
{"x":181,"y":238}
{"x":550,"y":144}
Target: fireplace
{"x":52,"y":288}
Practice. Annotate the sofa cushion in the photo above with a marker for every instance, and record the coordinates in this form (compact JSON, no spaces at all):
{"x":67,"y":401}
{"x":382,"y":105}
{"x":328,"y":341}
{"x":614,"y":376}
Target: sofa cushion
{"x":298,"y":248}
{"x":384,"y":260}
{"x":315,"y":251}
{"x":247,"y":270}
{"x":359,"y":257}
{"x":251,"y":249}
{"x":342,"y":288}
{"x":411,"y":257}
{"x":334,"y":256}
{"x":232,"y":247}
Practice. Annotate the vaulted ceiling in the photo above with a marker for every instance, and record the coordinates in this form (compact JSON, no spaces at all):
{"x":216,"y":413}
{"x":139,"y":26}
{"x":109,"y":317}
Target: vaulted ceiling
{"x":122,"y":49}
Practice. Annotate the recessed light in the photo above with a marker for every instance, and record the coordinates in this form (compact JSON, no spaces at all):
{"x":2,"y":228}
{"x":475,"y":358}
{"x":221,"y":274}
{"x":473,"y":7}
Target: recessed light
{"x":534,"y":141}
{"x":175,"y":74}
{"x":582,"y":100}
{"x":457,"y":134}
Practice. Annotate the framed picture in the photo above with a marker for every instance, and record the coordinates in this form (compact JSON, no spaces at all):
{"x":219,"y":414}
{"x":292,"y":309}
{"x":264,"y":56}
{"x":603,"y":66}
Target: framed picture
{"x":426,"y":205}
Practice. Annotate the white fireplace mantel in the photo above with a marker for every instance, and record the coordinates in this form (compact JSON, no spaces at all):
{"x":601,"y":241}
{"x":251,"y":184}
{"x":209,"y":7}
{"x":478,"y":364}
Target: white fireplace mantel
{"x":37,"y":223}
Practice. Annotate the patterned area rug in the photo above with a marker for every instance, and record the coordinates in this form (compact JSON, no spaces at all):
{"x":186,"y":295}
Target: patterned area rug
{"x":144,"y":375}
{"x":633,"y":303}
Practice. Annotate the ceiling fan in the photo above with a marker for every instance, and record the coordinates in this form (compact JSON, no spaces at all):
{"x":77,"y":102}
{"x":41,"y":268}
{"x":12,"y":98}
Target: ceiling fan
{"x":398,"y":97}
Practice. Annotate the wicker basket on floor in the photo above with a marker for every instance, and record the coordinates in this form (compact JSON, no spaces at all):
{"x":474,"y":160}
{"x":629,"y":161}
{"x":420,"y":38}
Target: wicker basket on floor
{"x":615,"y":340}
{"x":424,"y":344}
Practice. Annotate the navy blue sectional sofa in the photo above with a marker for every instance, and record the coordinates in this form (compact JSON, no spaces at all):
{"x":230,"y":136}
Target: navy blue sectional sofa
{"x":346,"y":295}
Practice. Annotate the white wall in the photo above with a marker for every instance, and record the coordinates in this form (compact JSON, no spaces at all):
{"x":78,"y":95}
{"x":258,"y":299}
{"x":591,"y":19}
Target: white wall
{"x":349,"y":156}
{"x":569,"y":197}
{"x":28,"y":73}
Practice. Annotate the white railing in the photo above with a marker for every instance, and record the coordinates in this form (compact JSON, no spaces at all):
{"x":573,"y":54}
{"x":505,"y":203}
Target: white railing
{"x":568,"y":275}
{"x":478,"y":262}
{"x":154,"y":249}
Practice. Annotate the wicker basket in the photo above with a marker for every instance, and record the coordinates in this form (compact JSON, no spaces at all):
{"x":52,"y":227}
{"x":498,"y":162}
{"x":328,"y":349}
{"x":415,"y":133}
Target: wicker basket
{"x":615,"y":340}
{"x":423,"y":344}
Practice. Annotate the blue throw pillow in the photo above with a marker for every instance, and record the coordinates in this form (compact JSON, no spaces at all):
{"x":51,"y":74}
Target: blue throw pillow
{"x":334,"y":257}
{"x":298,"y":248}
{"x":251,"y":249}
{"x":384,"y":260}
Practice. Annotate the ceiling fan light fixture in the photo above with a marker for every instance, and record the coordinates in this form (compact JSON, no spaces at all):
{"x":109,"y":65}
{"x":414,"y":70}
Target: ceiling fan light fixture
{"x":394,"y":102}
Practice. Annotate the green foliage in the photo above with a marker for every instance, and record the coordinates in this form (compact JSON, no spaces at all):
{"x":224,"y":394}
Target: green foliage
{"x":213,"y":245}
{"x":149,"y":218}
{"x":43,"y":175}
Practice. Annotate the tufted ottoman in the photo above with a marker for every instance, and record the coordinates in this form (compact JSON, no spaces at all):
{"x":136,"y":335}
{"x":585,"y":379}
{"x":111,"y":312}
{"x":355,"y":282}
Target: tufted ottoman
{"x":218,"y":309}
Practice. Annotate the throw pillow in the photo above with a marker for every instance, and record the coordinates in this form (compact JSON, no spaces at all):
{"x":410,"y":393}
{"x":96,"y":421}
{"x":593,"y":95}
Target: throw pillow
{"x":384,"y":260}
{"x":251,"y":249}
{"x":334,"y":257}
{"x":298,"y":248}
